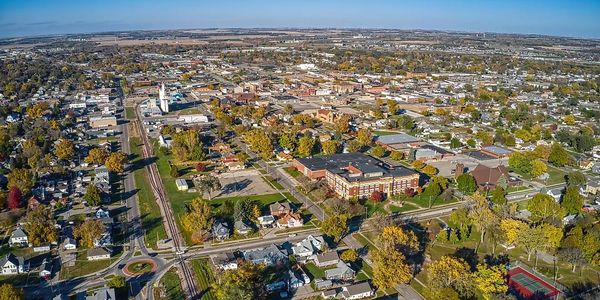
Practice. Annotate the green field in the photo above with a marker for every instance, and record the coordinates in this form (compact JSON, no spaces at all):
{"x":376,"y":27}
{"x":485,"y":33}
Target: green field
{"x":172,"y":286}
{"x":292,"y":171}
{"x":129,"y":113}
{"x":83,"y":266}
{"x":149,"y":210}
{"x":406,"y":207}
{"x":204,"y":278}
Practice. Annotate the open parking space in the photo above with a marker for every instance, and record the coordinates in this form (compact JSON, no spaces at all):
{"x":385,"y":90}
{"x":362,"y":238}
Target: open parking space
{"x":244,"y":183}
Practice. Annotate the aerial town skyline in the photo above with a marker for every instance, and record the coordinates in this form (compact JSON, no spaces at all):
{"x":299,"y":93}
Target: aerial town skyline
{"x":555,"y":17}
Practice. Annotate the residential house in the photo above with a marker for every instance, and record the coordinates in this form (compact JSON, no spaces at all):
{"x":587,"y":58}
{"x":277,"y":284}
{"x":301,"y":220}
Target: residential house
{"x":342,"y":271}
{"x":181,"y":184}
{"x":46,"y":269}
{"x":220,"y":230}
{"x":12,"y":264}
{"x":242,"y":227}
{"x":322,"y":284}
{"x":327,"y":259}
{"x":18,"y":238}
{"x":266,"y":221}
{"x":290,"y":220}
{"x":70,"y":244}
{"x":102,"y":294}
{"x":224,"y":261}
{"x":295,"y":281}
{"x":357,"y":291}
{"x":593,"y":186}
{"x":280,"y":208}
{"x":269,"y":256}
{"x":98,"y":254}
{"x":309,"y":246}
{"x":102,"y":213}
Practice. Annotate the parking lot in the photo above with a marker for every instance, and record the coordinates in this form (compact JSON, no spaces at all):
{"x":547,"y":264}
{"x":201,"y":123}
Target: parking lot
{"x":243,"y":183}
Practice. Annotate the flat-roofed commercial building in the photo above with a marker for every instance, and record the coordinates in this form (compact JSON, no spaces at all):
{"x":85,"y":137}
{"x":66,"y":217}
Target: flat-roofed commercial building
{"x":357,"y":175}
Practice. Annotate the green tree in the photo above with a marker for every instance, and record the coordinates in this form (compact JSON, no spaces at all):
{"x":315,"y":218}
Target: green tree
{"x":306,"y":146}
{"x":378,"y":151}
{"x":481,"y":215}
{"x":24,"y":179}
{"x":244,"y":283}
{"x":208,"y":184}
{"x":364,"y":136}
{"x":40,"y":226}
{"x":353,"y":146}
{"x":558,"y":155}
{"x":115,"y":162}
{"x":96,"y":156}
{"x":198,"y":216}
{"x":450,"y":272}
{"x":498,"y":196}
{"x":117,"y":282}
{"x":575,"y":178}
{"x":330,"y":147}
{"x":572,"y":201}
{"x":287,"y":140}
{"x":92,"y":195}
{"x":538,"y":168}
{"x":335,"y":226}
{"x":10,"y":292}
{"x":397,"y":155}
{"x":389,"y":269}
{"x":64,"y":149}
{"x":349,"y":255}
{"x":543,"y":208}
{"x":490,"y":280}
{"x":466,"y":183}
{"x":89,"y":231}
{"x":455,"y":143}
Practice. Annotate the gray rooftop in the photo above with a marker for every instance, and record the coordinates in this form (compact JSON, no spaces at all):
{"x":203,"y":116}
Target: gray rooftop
{"x":397,"y":139}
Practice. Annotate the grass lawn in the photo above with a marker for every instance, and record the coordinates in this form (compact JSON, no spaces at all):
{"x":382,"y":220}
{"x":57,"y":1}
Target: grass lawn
{"x":293,"y":172}
{"x":129,"y":113}
{"x":273,"y":182}
{"x":172,"y":286}
{"x":83,"y":266}
{"x":315,"y":272}
{"x":423,"y":201}
{"x":406,"y":207}
{"x":204,"y":277}
{"x":364,"y":241}
{"x":373,"y":207}
{"x":149,"y":210}
{"x":513,"y":189}
{"x":556,"y":176}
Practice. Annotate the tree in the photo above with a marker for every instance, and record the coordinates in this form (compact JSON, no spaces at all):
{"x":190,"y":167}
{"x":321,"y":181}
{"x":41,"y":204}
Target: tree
{"x":572,"y":201}
{"x":543,"y":208}
{"x":342,"y":124}
{"x":117,"y":282}
{"x":15,"y":198}
{"x":378,"y":151}
{"x":532,"y":239}
{"x":209,"y":184}
{"x":364,"y":136}
{"x":574,"y":256}
{"x":558,"y":155}
{"x":376,"y":196}
{"x":520,"y":162}
{"x":575,"y":178}
{"x":10,"y":292}
{"x":244,"y":209}
{"x":481,"y":215}
{"x":397,"y":155}
{"x":244,"y":283}
{"x":330,"y":147}
{"x":260,"y":142}
{"x":511,"y":229}
{"x":198,"y":216}
{"x":498,"y":196}
{"x":40,"y":226}
{"x":174,"y":171}
{"x":306,"y":146}
{"x":490,"y":280}
{"x":450,"y":272}
{"x":24,"y":179}
{"x":349,"y":255}
{"x":89,"y":231}
{"x":455,"y":143}
{"x":552,"y":234}
{"x":335,"y":226}
{"x":353,"y":146}
{"x":417,"y":164}
{"x":92,"y":195}
{"x":397,"y":239}
{"x":460,"y":218}
{"x":389,"y":269}
{"x":538,"y":168}
{"x":115,"y":162}
{"x":466,"y":183}
{"x":430,"y":170}
{"x":287,"y":140}
{"x":64,"y":149}
{"x":569,"y":119}
{"x":96,"y":156}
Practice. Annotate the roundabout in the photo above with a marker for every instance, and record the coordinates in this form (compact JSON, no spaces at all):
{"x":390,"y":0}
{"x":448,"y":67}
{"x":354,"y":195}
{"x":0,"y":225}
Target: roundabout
{"x":138,"y":267}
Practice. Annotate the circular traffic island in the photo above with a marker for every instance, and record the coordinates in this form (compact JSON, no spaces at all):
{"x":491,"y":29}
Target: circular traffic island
{"x":139,"y":267}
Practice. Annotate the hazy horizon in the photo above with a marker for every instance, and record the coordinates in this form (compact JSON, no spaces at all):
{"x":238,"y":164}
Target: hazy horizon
{"x":578,"y":19}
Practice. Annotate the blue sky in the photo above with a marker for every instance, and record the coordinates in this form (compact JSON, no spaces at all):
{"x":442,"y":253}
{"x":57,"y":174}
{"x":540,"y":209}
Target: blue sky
{"x":576,"y":18}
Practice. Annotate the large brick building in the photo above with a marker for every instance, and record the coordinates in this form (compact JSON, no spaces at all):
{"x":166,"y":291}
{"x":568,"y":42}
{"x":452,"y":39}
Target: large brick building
{"x":357,"y":175}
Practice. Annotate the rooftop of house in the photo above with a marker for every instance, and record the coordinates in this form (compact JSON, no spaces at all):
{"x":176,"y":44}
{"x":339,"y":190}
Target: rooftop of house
{"x":397,"y":139}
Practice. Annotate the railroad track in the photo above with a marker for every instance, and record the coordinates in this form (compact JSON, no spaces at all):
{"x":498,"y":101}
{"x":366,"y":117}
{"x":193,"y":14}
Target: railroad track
{"x":171,"y":226}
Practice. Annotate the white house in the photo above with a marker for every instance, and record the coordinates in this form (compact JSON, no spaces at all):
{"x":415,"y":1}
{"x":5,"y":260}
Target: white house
{"x":102,"y":213}
{"x":181,"y":184}
{"x":70,"y":244}
{"x":266,"y":221}
{"x":357,"y":291}
{"x":12,"y":264}
{"x":18,"y":238}
{"x":98,"y":254}
{"x":309,"y":246}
